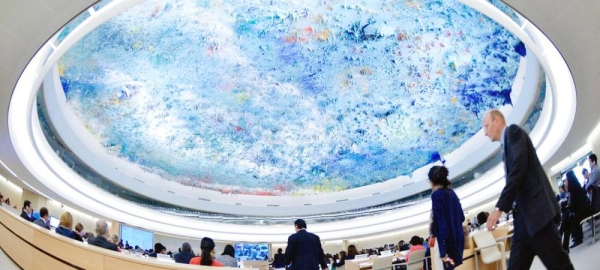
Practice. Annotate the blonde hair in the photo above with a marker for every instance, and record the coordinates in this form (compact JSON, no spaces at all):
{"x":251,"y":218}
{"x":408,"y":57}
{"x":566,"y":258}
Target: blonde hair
{"x":66,"y":220}
{"x":114,"y":239}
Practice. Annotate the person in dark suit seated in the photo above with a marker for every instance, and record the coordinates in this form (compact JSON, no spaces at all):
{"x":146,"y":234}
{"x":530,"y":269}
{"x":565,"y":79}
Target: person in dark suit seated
{"x":44,"y":218}
{"x":27,"y":212}
{"x":100,"y":240}
{"x":529,"y":195}
{"x":304,"y":250}
{"x":65,"y":225}
{"x":158,"y":249}
{"x":279,"y":259}
{"x":185,"y":255}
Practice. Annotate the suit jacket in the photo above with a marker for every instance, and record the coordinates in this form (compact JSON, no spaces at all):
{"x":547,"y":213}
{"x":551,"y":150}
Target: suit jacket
{"x":26,"y":217}
{"x":526,"y":183}
{"x":304,"y":251}
{"x":183,"y":257}
{"x":100,"y":241}
{"x":448,"y":217}
{"x":594,"y":180}
{"x":42,"y":223}
{"x":279,"y":261}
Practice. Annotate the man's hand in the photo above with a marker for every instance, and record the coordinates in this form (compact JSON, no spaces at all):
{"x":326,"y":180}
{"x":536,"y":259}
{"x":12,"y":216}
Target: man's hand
{"x":492,"y":220}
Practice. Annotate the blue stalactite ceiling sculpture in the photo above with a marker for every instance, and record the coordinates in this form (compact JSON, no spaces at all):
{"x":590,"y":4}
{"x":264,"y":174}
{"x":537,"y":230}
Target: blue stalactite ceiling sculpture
{"x":288,"y":97}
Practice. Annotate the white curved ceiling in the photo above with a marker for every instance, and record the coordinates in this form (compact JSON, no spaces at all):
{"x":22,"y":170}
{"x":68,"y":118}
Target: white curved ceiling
{"x":27,"y":36}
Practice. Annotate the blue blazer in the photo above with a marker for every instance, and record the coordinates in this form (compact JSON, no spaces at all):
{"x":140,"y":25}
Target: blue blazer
{"x":304,"y":251}
{"x":65,"y":232}
{"x":448,"y":217}
{"x":526,"y":183}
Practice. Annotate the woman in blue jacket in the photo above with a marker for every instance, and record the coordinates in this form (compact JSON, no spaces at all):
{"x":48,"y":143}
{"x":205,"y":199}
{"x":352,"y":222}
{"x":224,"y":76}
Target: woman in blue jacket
{"x":446,"y":219}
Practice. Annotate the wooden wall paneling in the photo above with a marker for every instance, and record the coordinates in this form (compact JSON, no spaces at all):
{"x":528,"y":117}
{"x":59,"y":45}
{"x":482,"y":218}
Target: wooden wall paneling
{"x":17,"y":225}
{"x":68,"y":250}
{"x":117,"y":263}
{"x":16,"y":249}
{"x":42,"y":261}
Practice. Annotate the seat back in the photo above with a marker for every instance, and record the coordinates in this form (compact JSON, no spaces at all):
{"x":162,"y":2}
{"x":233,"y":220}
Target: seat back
{"x":343,"y":267}
{"x":415,"y":261}
{"x":351,"y":265}
{"x":380,"y":263}
{"x":490,"y":254}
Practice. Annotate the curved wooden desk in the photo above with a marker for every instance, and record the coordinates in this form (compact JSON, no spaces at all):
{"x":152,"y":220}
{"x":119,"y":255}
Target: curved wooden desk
{"x":32,"y":247}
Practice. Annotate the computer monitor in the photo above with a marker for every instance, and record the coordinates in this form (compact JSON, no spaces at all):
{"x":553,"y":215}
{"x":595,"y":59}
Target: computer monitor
{"x":137,"y":237}
{"x":54,"y":221}
{"x":251,"y":251}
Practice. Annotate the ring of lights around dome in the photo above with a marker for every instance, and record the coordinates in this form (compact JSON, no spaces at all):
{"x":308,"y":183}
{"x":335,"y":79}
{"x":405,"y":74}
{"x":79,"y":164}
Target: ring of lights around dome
{"x":51,"y":171}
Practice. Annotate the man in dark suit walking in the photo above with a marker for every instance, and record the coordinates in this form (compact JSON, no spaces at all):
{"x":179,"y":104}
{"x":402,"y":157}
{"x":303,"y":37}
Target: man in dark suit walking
{"x":304,"y":250}
{"x":529,"y":194}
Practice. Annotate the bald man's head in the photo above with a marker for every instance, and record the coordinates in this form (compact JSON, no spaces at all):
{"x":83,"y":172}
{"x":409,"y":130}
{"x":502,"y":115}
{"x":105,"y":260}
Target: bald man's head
{"x":493,"y":124}
{"x":102,"y":227}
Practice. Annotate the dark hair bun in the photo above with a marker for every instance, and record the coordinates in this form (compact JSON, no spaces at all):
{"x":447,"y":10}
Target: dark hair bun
{"x":442,"y":173}
{"x":439,"y":175}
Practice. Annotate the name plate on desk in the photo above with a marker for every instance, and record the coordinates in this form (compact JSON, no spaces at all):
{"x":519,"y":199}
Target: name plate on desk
{"x":164,"y":258}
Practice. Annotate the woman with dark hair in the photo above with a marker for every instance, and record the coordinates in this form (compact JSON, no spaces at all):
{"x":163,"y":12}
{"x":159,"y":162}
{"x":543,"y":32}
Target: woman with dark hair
{"x":416,"y":243}
{"x":207,"y":249}
{"x":578,"y":205}
{"x":339,"y":261}
{"x":279,"y":260}
{"x":447,"y":217}
{"x":228,"y":257}
{"x":352,"y":252}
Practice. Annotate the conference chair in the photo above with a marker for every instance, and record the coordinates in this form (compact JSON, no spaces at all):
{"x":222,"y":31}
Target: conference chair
{"x":351,"y":265}
{"x":489,"y":249}
{"x":380,"y":263}
{"x":415,"y":261}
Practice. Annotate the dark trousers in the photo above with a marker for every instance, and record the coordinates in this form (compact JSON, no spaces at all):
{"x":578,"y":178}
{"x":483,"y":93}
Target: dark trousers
{"x":595,"y":202}
{"x":545,"y":244}
{"x":571,"y":227}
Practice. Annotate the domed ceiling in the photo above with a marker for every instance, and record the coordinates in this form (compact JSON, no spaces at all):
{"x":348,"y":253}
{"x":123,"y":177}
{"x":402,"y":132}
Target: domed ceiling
{"x":288,"y":97}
